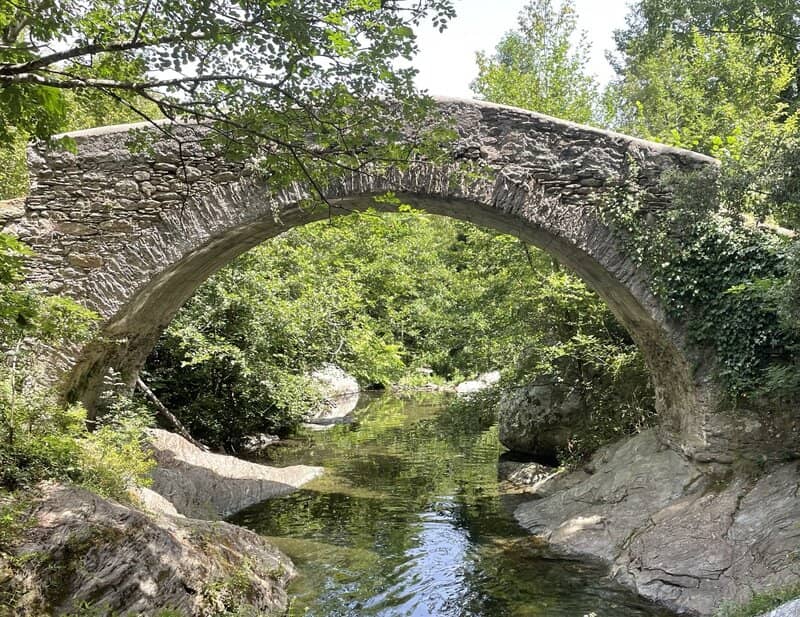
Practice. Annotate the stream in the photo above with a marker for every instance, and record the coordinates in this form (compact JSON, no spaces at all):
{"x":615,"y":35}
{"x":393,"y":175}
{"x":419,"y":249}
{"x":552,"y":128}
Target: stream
{"x":410,"y":520}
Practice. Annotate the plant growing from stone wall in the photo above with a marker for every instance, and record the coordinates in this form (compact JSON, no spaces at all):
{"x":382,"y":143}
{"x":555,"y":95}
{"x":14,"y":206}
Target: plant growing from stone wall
{"x":711,"y":267}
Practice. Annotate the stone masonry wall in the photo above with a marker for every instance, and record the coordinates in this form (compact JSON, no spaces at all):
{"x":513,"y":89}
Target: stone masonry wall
{"x":132,"y":235}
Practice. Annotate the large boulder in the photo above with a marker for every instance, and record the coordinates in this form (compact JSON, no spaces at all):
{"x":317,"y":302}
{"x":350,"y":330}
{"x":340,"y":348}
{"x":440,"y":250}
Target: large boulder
{"x":340,"y":392}
{"x":669,"y":530}
{"x":81,"y":548}
{"x":481,"y":382}
{"x":540,"y":419}
{"x":212,"y":486}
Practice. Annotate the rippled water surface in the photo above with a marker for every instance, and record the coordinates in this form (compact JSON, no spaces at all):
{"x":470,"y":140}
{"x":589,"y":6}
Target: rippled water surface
{"x":409,"y":520}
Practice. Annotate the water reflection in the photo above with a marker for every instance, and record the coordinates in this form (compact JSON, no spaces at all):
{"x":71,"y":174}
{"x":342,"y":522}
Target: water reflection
{"x":408,"y":521}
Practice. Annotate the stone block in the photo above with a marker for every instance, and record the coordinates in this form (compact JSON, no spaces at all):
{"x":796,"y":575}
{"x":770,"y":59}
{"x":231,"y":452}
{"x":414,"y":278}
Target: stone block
{"x":86,"y":261}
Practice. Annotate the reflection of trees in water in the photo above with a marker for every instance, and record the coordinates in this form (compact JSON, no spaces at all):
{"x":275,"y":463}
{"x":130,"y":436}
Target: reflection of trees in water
{"x":408,"y":521}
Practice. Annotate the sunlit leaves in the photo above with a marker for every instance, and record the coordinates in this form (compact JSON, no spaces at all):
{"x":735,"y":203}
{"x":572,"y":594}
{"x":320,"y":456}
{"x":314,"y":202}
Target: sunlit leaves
{"x":721,"y":78}
{"x":539,"y":66}
{"x":303,"y":87}
{"x":379,"y":295}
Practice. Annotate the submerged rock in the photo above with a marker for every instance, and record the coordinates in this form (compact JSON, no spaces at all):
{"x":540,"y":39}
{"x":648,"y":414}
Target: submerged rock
{"x":213,"y":486}
{"x":523,"y":474}
{"x":81,"y":548}
{"x":256,"y":444}
{"x":674,"y":534}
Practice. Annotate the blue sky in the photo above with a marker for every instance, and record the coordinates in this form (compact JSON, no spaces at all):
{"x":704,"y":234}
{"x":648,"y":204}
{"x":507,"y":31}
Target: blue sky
{"x":446,"y":61}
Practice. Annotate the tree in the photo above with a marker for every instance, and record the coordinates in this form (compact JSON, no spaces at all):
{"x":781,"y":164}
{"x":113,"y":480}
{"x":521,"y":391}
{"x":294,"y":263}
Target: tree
{"x":264,"y":74}
{"x":755,"y":22}
{"x":567,"y":331}
{"x":722,"y":78}
{"x":540,"y":66}
{"x":381,"y":296}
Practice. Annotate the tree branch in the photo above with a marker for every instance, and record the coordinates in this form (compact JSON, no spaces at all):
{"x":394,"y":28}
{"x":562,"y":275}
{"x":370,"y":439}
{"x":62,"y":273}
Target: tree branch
{"x":97,"y":48}
{"x":167,"y":416}
{"x":135,"y":37}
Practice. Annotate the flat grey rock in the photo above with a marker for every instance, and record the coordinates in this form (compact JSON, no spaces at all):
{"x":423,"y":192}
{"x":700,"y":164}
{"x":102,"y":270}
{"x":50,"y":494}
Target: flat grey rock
{"x":683,"y":539}
{"x":212,"y":486}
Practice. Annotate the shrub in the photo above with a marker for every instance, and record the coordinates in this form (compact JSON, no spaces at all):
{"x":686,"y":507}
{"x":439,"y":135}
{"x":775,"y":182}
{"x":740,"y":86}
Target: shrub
{"x":41,"y":439}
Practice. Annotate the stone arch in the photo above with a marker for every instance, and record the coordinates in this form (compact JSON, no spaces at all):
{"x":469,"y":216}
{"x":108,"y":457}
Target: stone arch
{"x":132,"y":235}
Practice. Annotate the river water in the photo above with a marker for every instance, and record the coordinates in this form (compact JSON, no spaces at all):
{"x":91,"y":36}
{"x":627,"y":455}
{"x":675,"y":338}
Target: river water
{"x":410,"y":520}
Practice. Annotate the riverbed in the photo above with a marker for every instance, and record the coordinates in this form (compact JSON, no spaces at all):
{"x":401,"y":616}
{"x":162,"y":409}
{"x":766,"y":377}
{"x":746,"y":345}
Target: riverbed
{"x":411,"y":520}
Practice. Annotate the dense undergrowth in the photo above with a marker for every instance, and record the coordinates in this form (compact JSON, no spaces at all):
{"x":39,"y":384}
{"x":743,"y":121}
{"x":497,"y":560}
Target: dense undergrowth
{"x":728,"y":280}
{"x":385,"y":296}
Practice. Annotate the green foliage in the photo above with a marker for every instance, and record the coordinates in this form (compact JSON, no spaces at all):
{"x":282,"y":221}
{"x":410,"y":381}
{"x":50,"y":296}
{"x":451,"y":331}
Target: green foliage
{"x":572,"y":337}
{"x":614,"y":383}
{"x":115,"y":455}
{"x":716,"y":274}
{"x":17,"y":305}
{"x":381,"y":296}
{"x":89,"y":609}
{"x":40,"y":437}
{"x":43,"y":440}
{"x":83,"y":109}
{"x":39,"y":110}
{"x":477,"y":410}
{"x":13,"y":169}
{"x":609,"y":376}
{"x":301,"y":88}
{"x":722,"y":94}
{"x":760,"y":603}
{"x":721,"y":77}
{"x":14,"y":520}
{"x":539,"y":66}
{"x":26,"y":312}
{"x":228,"y":597}
{"x":755,"y":21}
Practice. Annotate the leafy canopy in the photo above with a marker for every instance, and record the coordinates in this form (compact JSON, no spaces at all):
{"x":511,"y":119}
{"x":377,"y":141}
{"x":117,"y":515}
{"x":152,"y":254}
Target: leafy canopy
{"x":265,"y":74}
{"x":721,"y":77}
{"x":381,"y":296}
{"x":572,"y":337}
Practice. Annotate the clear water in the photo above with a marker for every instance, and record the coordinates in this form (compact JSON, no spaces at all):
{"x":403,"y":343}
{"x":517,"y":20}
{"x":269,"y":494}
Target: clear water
{"x":409,"y":520}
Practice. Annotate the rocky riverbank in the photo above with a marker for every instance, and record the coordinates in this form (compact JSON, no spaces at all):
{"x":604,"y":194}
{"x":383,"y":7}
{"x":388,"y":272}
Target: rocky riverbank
{"x":669,"y":530}
{"x":75,"y":549}
{"x":81,"y":550}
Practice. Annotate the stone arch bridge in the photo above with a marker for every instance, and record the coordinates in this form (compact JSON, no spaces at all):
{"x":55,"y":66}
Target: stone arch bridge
{"x":113,"y":229}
